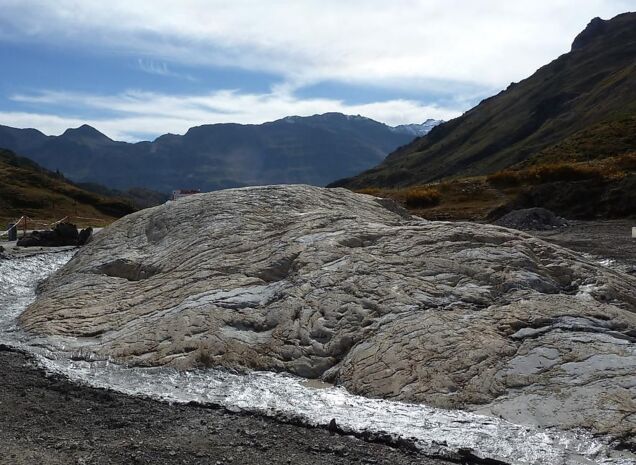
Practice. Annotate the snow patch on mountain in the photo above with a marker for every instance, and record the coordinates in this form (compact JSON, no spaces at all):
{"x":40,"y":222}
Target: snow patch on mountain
{"x":417,"y":130}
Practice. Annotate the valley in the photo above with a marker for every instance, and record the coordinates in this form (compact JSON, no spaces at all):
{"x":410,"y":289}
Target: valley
{"x":283,"y":280}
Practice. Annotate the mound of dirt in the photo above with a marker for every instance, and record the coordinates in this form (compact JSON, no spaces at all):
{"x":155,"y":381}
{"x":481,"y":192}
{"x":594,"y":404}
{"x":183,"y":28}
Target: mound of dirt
{"x":533,"y":219}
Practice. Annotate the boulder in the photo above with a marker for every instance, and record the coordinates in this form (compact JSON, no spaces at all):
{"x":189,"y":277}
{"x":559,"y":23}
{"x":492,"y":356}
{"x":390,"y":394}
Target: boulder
{"x":330,"y":284}
{"x":84,"y":236}
{"x":63,"y":234}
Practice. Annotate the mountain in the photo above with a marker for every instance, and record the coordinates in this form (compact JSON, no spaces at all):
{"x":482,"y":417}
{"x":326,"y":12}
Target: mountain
{"x":418,"y":130}
{"x":311,"y":150}
{"x":569,"y":103}
{"x":28,"y":189}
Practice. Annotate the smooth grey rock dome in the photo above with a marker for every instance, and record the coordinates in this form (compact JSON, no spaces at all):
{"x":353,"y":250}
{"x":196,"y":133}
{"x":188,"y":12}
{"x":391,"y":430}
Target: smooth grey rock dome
{"x":330,"y":284}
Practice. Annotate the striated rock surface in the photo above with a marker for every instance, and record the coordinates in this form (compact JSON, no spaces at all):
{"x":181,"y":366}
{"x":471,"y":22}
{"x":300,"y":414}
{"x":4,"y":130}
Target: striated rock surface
{"x":351,"y":289}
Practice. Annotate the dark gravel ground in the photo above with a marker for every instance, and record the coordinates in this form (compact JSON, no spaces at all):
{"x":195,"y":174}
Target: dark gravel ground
{"x":538,"y":219}
{"x":48,"y":420}
{"x":604,"y":239}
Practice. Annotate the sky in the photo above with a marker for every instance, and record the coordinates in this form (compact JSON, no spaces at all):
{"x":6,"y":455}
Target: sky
{"x":136,"y":69}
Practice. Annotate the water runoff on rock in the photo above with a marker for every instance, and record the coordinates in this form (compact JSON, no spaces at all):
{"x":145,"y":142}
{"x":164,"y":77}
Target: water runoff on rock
{"x":433,"y":431}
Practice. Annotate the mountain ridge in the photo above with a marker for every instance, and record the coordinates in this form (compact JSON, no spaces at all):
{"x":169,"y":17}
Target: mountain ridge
{"x":313,"y":150}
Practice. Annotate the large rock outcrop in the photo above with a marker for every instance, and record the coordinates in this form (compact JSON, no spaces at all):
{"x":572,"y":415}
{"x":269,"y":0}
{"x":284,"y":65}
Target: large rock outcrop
{"x":351,"y":289}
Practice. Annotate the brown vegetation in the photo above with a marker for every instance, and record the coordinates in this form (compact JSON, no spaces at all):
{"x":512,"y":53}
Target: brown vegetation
{"x":545,"y":173}
{"x":421,"y":197}
{"x":466,"y":198}
{"x":603,"y":168}
{"x":557,"y":186}
{"x":415,"y":198}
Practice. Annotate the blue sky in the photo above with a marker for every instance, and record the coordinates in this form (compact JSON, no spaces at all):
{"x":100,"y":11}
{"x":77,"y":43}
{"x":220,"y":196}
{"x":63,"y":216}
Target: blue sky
{"x":138,"y":69}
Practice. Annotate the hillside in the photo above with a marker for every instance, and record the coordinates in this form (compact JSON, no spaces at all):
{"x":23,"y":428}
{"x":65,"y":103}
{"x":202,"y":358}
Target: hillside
{"x":311,"y":150}
{"x":581,"y":105}
{"x":27,"y":189}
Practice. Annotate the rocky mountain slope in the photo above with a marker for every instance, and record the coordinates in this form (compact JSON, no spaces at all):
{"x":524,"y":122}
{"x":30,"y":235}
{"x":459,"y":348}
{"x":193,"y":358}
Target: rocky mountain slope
{"x":314,"y":150}
{"x":349,"y":288}
{"x":584,"y":92}
{"x":28,"y":189}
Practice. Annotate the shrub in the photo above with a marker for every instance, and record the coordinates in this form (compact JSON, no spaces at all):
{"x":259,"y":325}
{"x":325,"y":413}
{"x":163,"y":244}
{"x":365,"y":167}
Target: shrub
{"x":421,"y":197}
{"x":626,"y":162}
{"x":562,"y":172}
{"x":504,"y":179}
{"x":541,"y":174}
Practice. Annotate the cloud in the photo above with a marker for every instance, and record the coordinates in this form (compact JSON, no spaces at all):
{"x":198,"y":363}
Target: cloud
{"x":160,"y":69}
{"x":402,"y":43}
{"x":137,"y":113}
{"x":451,"y":51}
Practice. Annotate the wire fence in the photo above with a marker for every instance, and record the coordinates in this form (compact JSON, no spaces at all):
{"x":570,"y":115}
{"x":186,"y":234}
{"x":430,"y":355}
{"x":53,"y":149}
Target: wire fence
{"x":15,"y":226}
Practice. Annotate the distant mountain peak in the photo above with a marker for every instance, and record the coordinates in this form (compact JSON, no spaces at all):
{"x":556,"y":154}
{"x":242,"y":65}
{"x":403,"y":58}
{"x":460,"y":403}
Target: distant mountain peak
{"x":416,"y":129}
{"x":85,"y":132}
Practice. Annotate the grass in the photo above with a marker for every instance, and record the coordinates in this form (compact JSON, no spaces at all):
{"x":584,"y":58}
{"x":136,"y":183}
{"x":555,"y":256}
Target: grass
{"x":466,"y":198}
{"x":472,"y":198}
{"x":607,"y":168}
{"x":606,"y":139}
{"x":422,"y":197}
{"x":545,"y":173}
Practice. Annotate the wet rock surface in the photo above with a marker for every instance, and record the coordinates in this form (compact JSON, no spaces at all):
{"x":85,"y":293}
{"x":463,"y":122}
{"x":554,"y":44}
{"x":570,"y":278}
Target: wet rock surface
{"x":48,"y":420}
{"x":333,"y":285}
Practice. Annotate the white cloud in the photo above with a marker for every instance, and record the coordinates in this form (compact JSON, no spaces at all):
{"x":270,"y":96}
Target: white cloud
{"x":438,"y":46}
{"x":161,"y":69}
{"x":400,"y":43}
{"x":154,"y":114}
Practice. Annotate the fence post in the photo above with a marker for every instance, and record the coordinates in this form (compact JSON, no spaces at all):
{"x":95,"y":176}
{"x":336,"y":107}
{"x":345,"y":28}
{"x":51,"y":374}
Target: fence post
{"x":12,"y":232}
